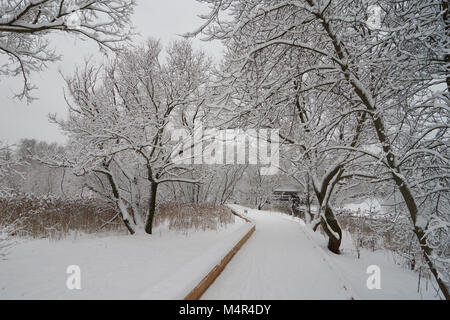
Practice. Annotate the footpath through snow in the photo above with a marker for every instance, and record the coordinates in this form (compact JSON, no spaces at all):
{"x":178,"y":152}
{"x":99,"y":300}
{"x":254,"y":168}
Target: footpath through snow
{"x":284,"y":259}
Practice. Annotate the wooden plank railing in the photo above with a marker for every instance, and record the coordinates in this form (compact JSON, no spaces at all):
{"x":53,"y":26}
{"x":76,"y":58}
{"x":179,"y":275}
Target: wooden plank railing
{"x":206,"y":282}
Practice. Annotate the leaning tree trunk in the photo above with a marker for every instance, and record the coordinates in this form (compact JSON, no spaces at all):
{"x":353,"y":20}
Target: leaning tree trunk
{"x":446,"y":18}
{"x":328,"y":221}
{"x":334,"y":242}
{"x":118,"y":200}
{"x":151,"y":208}
{"x":410,"y":202}
{"x":378,"y":123}
{"x":308,"y":215}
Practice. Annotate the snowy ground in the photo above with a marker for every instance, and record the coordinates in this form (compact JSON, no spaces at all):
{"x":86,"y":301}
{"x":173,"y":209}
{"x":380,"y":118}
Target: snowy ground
{"x":166,"y":265}
{"x":284,"y":259}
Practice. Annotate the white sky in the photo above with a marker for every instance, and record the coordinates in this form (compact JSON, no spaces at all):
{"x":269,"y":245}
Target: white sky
{"x":161,"y":19}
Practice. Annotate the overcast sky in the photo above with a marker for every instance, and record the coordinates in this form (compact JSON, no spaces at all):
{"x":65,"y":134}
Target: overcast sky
{"x":161,"y":19}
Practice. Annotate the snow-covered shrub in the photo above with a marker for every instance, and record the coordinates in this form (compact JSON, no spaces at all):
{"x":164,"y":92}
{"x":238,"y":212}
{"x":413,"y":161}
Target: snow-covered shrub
{"x":361,"y":232}
{"x":389,"y":232}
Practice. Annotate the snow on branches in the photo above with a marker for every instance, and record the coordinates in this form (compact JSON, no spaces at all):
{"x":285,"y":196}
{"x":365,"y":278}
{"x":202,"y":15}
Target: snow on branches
{"x":25,"y":26}
{"x":121,"y":117}
{"x":332,"y":58}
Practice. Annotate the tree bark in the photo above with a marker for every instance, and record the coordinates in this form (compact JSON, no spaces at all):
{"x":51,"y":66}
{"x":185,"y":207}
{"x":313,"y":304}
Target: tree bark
{"x":446,"y":19}
{"x":151,"y":208}
{"x":333,"y":242}
{"x":116,"y":194}
{"x":308,"y":201}
{"x":387,"y":148}
{"x":329,"y":221}
{"x":410,"y":203}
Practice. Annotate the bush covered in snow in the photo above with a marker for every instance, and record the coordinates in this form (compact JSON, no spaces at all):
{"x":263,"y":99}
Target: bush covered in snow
{"x":392,"y":233}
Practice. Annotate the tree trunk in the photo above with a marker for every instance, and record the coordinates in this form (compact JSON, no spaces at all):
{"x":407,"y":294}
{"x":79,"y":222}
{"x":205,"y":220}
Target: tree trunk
{"x":123,"y":214}
{"x":308,"y":202}
{"x":409,"y":199}
{"x":119,"y":203}
{"x":387,"y":148}
{"x":446,"y":19}
{"x":151,"y":208}
{"x":329,"y":221}
{"x":333,"y":242}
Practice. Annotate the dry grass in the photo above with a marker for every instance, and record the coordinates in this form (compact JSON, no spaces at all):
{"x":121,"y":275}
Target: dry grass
{"x":376,"y":234}
{"x":56,"y":218}
{"x":193,"y":216}
{"x":373,"y":233}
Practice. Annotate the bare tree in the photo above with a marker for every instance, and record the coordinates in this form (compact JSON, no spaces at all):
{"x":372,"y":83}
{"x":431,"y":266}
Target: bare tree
{"x":387,"y":70}
{"x":25,"y":27}
{"x":122,"y":116}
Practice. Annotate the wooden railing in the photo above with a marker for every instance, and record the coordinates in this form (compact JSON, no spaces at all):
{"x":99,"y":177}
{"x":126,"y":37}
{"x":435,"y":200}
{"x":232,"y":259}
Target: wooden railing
{"x":206,"y":282}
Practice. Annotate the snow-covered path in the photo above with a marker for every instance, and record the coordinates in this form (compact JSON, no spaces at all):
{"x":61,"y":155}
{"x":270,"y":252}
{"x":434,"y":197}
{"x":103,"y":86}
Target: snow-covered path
{"x":279,"y":261}
{"x":283,"y":259}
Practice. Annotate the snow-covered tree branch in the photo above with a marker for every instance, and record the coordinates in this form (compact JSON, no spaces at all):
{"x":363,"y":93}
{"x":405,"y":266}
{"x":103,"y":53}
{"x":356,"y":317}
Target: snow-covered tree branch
{"x":391,"y":71}
{"x":121,"y":117}
{"x":26,"y":26}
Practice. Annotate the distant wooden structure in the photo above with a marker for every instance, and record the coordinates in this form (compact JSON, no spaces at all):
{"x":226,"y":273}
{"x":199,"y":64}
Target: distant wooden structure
{"x":292,"y":196}
{"x":286,"y":194}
